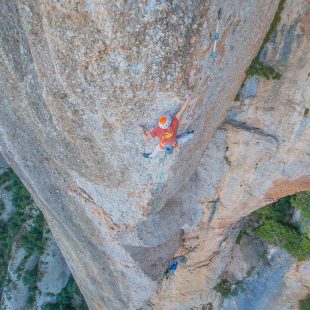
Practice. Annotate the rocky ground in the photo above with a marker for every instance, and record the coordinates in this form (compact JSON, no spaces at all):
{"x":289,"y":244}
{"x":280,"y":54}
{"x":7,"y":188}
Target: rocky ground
{"x":269,"y":265}
{"x":34,"y":274}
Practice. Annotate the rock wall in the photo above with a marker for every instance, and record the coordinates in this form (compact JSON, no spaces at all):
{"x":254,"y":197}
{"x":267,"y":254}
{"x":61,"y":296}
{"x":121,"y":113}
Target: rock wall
{"x":258,"y":155}
{"x":77,"y":77}
{"x":266,"y":135}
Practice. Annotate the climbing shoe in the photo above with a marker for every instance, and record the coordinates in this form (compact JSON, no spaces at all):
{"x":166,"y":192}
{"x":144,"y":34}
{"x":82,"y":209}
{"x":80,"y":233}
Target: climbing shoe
{"x":147,"y":155}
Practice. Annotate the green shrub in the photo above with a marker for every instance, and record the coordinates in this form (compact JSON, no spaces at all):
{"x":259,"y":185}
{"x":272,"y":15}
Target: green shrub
{"x":52,"y":307}
{"x":5,"y":248}
{"x":67,"y":298}
{"x":280,"y":211}
{"x":275,"y":22}
{"x":237,"y":97}
{"x":6,"y":176}
{"x":258,"y":68}
{"x":9,"y":229}
{"x":226,"y":288}
{"x":20,"y":196}
{"x":275,"y":228}
{"x":33,"y":240}
{"x":30,"y":279}
{"x":304,"y":252}
{"x":304,"y":304}
{"x":285,"y":237}
{"x":2,"y":206}
{"x":301,"y":202}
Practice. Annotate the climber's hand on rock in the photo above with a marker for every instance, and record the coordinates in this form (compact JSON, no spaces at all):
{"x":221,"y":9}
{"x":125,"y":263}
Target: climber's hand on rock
{"x":146,"y":135}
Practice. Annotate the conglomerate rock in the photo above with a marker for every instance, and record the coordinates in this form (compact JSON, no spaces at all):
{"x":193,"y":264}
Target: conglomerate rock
{"x":77,"y":77}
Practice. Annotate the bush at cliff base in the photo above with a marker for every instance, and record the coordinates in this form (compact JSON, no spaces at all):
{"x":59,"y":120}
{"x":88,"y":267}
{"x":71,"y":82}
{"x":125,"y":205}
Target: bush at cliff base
{"x":276,"y":228}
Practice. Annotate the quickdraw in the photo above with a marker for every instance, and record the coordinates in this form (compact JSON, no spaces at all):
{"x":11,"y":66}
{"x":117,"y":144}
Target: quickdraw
{"x":216,"y":36}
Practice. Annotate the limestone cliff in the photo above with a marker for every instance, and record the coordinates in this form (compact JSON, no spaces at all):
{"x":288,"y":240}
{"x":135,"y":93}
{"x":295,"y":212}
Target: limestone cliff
{"x":77,"y":77}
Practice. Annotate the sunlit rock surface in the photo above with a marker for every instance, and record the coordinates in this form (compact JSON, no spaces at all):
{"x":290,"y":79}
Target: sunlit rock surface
{"x":77,"y":77}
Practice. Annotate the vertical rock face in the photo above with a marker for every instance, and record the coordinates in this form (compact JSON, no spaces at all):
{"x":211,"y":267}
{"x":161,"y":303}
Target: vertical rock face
{"x":259,"y":154}
{"x":76,"y":79}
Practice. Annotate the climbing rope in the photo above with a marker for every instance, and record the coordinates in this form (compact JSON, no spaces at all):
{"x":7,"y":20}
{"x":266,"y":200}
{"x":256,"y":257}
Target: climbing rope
{"x":174,"y":264}
{"x":156,"y":204}
{"x":216,"y":36}
{"x":161,"y":174}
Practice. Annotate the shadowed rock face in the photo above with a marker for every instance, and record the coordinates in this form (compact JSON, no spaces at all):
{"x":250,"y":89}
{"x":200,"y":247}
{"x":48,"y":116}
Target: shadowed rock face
{"x":78,"y":77}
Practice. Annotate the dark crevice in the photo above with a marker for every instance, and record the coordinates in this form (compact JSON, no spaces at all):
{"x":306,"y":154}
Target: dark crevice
{"x":252,"y":129}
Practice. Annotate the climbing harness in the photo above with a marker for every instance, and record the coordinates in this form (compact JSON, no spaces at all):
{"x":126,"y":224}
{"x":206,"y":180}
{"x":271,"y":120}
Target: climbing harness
{"x":216,"y":36}
{"x":168,"y":149}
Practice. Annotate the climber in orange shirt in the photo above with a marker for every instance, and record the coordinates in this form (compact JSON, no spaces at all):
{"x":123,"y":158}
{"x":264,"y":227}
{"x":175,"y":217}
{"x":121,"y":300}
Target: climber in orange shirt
{"x":167,"y":133}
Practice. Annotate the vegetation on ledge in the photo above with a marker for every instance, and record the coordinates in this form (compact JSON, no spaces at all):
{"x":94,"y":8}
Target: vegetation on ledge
{"x":304,"y":304}
{"x":257,"y":67}
{"x":69,"y":298}
{"x":26,"y":229}
{"x":276,"y":225}
{"x":10,"y":228}
{"x":226,"y":288}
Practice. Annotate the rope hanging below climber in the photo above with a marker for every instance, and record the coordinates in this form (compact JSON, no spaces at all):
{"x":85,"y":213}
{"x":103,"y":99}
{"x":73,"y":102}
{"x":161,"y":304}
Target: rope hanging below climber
{"x":168,"y":141}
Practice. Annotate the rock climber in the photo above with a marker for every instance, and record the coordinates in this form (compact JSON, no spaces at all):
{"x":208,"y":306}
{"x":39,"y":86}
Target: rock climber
{"x":167,"y":133}
{"x":171,"y":269}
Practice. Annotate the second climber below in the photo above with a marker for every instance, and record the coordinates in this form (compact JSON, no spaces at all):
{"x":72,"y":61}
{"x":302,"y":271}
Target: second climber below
{"x":167,"y":133}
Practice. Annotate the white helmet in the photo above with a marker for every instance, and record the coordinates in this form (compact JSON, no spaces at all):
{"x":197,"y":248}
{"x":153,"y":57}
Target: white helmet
{"x":165,"y":121}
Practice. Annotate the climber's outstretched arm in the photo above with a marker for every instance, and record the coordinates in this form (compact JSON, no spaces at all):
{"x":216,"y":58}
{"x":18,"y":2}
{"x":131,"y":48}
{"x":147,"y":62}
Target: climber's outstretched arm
{"x":146,"y":135}
{"x":183,"y":109}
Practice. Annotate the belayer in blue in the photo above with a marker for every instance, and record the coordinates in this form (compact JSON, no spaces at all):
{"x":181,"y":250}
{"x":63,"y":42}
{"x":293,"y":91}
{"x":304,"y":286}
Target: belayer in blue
{"x":171,"y":269}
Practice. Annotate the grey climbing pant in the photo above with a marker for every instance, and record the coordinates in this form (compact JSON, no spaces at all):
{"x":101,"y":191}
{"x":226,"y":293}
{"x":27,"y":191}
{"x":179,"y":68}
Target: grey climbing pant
{"x":182,"y":138}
